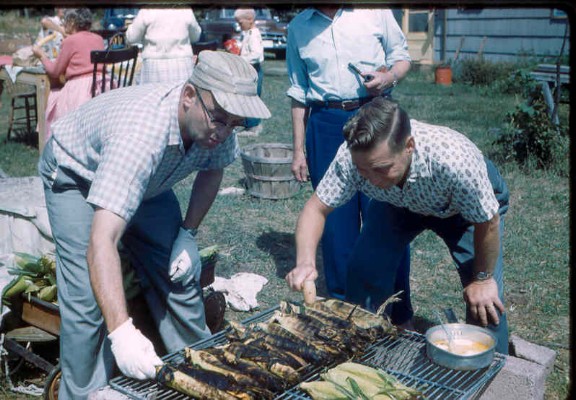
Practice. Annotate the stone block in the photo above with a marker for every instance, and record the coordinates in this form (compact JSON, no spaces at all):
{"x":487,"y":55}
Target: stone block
{"x":518,"y":380}
{"x":532,"y":352}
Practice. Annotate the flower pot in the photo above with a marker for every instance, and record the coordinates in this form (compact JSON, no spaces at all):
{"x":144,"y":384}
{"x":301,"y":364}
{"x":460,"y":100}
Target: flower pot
{"x":443,"y":75}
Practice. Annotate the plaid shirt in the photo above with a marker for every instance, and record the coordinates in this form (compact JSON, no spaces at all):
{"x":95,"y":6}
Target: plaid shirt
{"x":447,"y":176}
{"x":126,"y":143}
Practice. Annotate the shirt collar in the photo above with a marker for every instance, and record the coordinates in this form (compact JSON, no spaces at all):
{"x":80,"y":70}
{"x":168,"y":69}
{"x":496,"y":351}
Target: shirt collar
{"x":418,"y":167}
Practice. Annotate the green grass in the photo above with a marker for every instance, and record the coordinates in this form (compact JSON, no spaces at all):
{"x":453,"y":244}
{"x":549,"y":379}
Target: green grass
{"x":256,"y":235}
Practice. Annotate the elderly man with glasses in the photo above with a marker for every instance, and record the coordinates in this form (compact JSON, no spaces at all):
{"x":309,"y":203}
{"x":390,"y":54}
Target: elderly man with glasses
{"x":108,"y":170}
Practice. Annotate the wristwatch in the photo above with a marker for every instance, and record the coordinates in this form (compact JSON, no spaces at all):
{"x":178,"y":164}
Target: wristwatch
{"x":192,"y":231}
{"x":395,"y":81}
{"x":482,"y":276}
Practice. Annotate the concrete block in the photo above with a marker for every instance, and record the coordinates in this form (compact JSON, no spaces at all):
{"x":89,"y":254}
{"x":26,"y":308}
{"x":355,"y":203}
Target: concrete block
{"x":517,"y":380}
{"x":532,"y":352}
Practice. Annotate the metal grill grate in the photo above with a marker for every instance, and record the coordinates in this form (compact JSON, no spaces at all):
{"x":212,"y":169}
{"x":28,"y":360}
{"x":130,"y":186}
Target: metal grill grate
{"x":403,"y":356}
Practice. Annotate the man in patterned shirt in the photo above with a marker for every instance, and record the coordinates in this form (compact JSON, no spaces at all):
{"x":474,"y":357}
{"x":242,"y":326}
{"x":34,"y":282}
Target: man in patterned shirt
{"x":419,"y":176}
{"x":108,"y":171}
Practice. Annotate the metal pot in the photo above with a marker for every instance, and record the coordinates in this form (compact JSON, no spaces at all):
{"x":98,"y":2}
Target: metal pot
{"x":480,"y":341}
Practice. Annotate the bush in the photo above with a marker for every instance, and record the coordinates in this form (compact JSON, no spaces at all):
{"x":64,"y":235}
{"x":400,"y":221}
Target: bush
{"x":479,"y":72}
{"x":531,"y":139}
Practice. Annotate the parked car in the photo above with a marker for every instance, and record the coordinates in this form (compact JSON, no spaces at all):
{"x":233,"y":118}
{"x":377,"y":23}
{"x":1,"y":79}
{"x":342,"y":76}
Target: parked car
{"x":219,"y":24}
{"x":116,"y":18}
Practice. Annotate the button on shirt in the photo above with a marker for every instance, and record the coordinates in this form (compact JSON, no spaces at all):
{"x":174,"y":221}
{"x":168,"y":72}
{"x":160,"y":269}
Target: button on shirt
{"x":319,"y":50}
{"x":126,"y":143}
{"x":447,"y":176}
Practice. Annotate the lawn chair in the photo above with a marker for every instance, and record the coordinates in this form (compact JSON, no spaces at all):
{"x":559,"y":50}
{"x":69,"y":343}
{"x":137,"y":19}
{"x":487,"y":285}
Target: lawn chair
{"x":113,"y":68}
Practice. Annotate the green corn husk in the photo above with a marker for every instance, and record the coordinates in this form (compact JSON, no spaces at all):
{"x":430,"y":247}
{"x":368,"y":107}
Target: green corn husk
{"x":34,"y":276}
{"x":359,"y":382}
{"x":209,"y":254}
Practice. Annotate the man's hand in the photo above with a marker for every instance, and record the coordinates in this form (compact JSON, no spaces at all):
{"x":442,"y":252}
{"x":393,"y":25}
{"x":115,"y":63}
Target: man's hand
{"x":382,"y":80}
{"x":300,"y":274}
{"x":134,"y":353}
{"x":184,"y":259}
{"x":482,"y":298}
{"x":299,"y":166}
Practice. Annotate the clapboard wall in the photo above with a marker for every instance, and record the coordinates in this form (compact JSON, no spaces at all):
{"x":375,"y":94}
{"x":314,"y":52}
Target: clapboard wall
{"x":499,"y":34}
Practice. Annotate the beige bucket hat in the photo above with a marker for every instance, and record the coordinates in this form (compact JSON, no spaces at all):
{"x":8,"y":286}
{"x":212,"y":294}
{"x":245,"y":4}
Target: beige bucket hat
{"x":232,"y":81}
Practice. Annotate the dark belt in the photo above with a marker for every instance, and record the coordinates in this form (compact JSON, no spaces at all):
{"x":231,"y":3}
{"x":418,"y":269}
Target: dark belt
{"x":346,"y":105}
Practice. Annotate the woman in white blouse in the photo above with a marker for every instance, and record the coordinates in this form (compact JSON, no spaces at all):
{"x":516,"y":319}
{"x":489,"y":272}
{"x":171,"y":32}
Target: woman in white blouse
{"x":166,"y":36}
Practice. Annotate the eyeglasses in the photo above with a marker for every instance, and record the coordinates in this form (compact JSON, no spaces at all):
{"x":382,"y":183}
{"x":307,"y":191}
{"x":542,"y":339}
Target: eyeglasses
{"x":214,"y":121}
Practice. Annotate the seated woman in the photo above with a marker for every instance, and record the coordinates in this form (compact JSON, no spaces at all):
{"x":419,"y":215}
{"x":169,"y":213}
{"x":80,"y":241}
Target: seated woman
{"x":73,"y":64}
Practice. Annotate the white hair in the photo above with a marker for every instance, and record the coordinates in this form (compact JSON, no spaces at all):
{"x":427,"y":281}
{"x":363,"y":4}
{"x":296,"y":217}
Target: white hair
{"x":245,"y":13}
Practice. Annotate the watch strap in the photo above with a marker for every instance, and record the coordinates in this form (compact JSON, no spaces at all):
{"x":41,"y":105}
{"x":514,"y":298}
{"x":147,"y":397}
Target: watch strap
{"x":482,"y":276}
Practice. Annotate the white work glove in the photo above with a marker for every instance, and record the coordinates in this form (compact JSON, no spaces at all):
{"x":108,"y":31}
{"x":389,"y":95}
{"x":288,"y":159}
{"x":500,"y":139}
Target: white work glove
{"x":184,"y":259}
{"x":133,"y":352}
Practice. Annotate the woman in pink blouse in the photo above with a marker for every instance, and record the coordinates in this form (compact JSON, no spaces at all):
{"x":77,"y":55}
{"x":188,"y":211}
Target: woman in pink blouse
{"x":72,"y":66}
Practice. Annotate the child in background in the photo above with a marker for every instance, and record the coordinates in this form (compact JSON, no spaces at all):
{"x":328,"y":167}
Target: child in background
{"x":52,"y":27}
{"x":252,"y":50}
{"x":73,"y":63}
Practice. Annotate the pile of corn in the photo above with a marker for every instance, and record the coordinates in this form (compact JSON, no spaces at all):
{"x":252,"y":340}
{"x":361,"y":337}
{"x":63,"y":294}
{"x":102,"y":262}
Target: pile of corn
{"x":34,"y":276}
{"x":358,"y":382}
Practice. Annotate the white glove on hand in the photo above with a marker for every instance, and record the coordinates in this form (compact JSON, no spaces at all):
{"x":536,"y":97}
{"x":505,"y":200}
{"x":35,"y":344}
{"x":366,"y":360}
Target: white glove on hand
{"x":184,"y":259}
{"x":134,"y":353}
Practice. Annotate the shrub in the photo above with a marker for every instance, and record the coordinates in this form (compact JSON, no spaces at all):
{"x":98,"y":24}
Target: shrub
{"x":531,"y":139}
{"x":479,"y":72}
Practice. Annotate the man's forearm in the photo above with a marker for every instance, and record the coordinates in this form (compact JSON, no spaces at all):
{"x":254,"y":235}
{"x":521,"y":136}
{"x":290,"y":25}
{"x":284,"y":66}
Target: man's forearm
{"x":105,"y":270}
{"x":204,"y":191}
{"x":309,"y":230}
{"x":299,"y":114}
{"x":486,"y":245}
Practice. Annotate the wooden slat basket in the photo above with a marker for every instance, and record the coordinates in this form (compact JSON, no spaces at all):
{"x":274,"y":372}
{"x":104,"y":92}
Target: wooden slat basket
{"x":267,"y":170}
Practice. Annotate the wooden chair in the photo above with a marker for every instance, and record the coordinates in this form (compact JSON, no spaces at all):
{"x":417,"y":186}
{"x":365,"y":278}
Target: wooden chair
{"x":115,"y":68}
{"x":23,"y":112}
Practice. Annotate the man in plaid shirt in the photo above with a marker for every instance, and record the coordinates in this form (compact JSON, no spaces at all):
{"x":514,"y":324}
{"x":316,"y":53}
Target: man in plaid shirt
{"x":108,"y":170}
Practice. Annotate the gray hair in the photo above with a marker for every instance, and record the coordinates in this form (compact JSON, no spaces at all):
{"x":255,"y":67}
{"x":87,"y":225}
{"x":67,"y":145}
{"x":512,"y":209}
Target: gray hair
{"x":81,"y":18}
{"x":377,"y":121}
{"x":245,"y":13}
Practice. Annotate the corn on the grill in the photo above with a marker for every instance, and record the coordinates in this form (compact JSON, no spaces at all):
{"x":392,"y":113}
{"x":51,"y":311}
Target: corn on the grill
{"x":263,"y":359}
{"x":356,"y":381}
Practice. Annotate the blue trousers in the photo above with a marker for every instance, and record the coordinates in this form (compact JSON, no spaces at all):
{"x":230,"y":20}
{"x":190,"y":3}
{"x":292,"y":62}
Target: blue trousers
{"x":252,"y":122}
{"x":371,"y":282}
{"x":323,"y":138}
{"x":177,"y":310}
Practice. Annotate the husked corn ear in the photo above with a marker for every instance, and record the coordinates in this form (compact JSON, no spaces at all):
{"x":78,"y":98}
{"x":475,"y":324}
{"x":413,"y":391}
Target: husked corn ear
{"x":48,"y":293}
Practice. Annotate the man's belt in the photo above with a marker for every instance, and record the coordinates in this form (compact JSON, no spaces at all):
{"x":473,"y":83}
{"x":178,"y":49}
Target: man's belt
{"x":346,"y":105}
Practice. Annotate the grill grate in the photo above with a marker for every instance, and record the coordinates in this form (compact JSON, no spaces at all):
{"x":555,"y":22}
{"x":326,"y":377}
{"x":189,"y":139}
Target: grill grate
{"x":403,"y":357}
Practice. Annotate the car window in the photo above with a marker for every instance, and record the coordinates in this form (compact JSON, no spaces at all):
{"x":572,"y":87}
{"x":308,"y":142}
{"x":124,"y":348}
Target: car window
{"x":122,"y":12}
{"x":263,"y":13}
{"x":228,"y":13}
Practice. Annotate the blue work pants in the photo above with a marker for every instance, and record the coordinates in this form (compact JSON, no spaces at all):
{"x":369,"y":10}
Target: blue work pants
{"x":323,"y":138}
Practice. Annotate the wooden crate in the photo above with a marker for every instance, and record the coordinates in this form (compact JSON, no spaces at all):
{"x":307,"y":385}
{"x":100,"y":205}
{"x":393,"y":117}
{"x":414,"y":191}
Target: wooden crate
{"x":41,"y":314}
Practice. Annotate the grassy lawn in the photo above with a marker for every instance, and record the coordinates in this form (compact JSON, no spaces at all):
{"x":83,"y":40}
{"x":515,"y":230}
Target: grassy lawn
{"x":256,"y":235}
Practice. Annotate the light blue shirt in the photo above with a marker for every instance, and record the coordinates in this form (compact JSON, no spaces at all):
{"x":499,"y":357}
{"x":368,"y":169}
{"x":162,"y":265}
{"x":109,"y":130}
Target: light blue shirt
{"x":319,"y":50}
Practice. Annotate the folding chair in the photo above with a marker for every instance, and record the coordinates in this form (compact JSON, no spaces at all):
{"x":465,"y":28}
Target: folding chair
{"x":120,"y":64}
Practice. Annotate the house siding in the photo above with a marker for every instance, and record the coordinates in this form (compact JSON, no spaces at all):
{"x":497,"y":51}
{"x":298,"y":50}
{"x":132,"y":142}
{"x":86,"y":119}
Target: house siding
{"x":501,"y":34}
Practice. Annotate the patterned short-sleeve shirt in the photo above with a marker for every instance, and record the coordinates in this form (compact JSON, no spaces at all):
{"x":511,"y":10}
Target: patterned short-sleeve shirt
{"x":126,"y":144}
{"x":447,"y":176}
